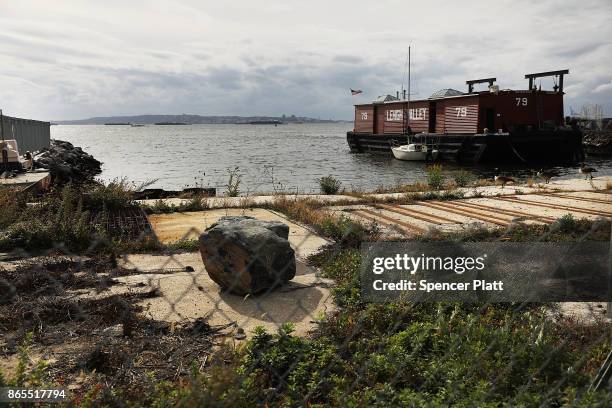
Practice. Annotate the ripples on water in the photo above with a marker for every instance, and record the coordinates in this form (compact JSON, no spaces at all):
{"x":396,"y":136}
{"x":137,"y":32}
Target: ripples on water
{"x":288,"y":157}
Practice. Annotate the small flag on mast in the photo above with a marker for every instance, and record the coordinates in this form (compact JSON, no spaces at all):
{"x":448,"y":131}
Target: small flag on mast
{"x":356,"y":91}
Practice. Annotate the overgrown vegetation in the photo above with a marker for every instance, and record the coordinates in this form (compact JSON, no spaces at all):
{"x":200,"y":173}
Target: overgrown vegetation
{"x":60,"y":217}
{"x":69,"y":216}
{"x":25,"y":376}
{"x":402,"y":354}
{"x":161,"y":206}
{"x":339,"y":228}
{"x":361,"y":354}
{"x":117,"y":194}
{"x":462,"y":178}
{"x":566,"y":223}
{"x":329,"y":185}
{"x":435,"y":177}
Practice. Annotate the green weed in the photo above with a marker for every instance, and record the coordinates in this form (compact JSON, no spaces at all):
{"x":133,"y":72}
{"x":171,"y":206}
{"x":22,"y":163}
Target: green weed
{"x":435,"y":177}
{"x":462,"y":178}
{"x":233,"y":182}
{"x":329,"y":185}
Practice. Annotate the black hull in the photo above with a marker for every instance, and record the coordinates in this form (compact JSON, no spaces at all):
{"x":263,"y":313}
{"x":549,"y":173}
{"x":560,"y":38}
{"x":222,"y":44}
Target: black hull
{"x":564,"y":145}
{"x":369,"y":143}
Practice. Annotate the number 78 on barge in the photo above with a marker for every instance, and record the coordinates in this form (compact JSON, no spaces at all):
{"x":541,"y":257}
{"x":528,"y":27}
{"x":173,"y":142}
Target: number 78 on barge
{"x":475,"y":126}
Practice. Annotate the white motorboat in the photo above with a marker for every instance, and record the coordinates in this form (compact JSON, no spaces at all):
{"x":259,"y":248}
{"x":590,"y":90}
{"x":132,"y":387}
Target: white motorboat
{"x":414,"y":152}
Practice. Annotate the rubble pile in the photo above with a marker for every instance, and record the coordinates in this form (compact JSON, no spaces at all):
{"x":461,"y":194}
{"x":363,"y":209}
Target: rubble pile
{"x":598,"y":142}
{"x":67,"y":163}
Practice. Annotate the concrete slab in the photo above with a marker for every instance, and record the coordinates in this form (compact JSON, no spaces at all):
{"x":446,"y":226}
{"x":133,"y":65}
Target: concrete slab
{"x":247,"y":201}
{"x":580,"y":184}
{"x":488,"y":211}
{"x":26,"y":181}
{"x":468,"y":192}
{"x":585,"y":312}
{"x":180,"y":226}
{"x":575,"y":184}
{"x":190,"y":295}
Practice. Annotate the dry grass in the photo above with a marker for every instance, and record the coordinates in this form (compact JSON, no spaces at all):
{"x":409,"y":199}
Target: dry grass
{"x":98,"y":336}
{"x":246,"y":202}
{"x":484,"y":183}
{"x":309,"y":211}
{"x":403,"y":188}
{"x":450,"y":185}
{"x":305,"y":210}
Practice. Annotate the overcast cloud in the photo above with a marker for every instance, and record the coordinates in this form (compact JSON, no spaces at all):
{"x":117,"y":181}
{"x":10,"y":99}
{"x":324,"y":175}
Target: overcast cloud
{"x":77,"y":59}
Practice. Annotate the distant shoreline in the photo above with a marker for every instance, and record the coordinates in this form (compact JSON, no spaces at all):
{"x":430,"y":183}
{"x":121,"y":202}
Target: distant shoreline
{"x":189,"y":124}
{"x":195,"y":120}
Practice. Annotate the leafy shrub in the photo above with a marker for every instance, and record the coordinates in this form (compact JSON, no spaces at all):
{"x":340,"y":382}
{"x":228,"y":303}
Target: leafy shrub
{"x":293,"y":366}
{"x":435,"y":178}
{"x":462,"y":178}
{"x":26,"y":235}
{"x":566,"y":223}
{"x":23,"y":376}
{"x":431,"y":354}
{"x":344,"y":230}
{"x":329,"y":185}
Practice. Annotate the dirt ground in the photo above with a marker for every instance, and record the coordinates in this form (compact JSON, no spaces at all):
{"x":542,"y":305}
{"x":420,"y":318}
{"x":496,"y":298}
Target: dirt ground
{"x":121,"y":319}
{"x":84,"y":327}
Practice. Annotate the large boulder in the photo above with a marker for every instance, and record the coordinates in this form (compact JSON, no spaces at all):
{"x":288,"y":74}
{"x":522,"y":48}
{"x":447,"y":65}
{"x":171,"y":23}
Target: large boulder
{"x":245,"y":255}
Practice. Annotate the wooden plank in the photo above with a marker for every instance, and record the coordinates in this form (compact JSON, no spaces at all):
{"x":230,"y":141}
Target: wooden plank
{"x":465,"y":213}
{"x":408,"y":226}
{"x":555,"y":206}
{"x":364,"y":214}
{"x":587,"y":199}
{"x":420,"y":215}
{"x":507,"y":211}
{"x":478,"y":211}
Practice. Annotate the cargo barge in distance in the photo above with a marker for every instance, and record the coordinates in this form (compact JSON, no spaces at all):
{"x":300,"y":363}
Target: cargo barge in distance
{"x":489,"y":126}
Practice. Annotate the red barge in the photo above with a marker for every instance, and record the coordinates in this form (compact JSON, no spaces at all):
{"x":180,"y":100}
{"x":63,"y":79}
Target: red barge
{"x":488,"y":126}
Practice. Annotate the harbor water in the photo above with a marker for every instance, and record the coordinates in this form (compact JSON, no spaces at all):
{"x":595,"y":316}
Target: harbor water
{"x":270,"y":158}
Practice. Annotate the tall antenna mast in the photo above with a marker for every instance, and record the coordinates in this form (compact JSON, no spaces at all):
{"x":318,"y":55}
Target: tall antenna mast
{"x":1,"y":125}
{"x":408,"y":103}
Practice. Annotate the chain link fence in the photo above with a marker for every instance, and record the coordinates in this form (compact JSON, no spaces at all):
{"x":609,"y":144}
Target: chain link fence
{"x":146,"y":324}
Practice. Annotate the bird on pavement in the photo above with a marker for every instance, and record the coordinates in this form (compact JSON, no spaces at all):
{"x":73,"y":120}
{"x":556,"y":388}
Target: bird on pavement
{"x":587,"y":171}
{"x":503,"y":180}
{"x":548,"y":174}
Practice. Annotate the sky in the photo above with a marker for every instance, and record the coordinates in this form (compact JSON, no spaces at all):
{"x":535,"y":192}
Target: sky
{"x":66,"y":59}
